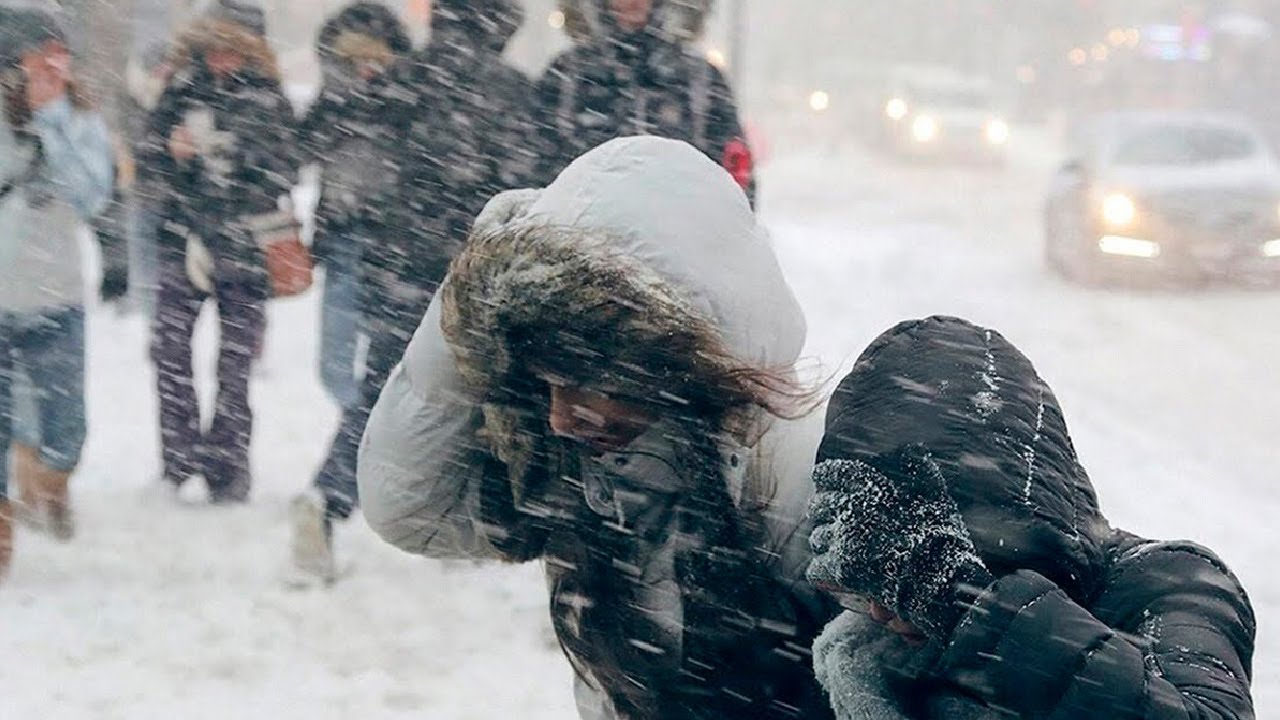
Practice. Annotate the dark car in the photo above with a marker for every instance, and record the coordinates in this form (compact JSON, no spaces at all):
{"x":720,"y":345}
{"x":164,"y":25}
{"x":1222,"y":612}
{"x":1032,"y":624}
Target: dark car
{"x":1178,"y":196}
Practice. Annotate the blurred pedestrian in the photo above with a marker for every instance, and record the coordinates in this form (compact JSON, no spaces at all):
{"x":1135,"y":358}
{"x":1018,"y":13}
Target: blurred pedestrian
{"x":55,"y":175}
{"x":357,"y":132}
{"x":953,"y":515}
{"x":148,"y":74}
{"x":466,"y":140}
{"x":605,"y":384}
{"x":222,"y":135}
{"x":634,"y":76}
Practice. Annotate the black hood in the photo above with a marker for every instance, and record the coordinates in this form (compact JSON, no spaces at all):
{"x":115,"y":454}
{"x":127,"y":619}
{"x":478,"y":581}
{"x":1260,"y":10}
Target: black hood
{"x":996,"y":431}
{"x":24,"y":29}
{"x":487,"y":24}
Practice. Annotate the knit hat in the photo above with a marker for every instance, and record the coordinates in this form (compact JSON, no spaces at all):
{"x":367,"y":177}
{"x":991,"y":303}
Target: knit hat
{"x":246,"y":13}
{"x":23,"y":29}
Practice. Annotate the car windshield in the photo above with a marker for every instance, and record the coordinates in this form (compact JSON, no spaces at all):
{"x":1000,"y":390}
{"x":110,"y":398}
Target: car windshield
{"x":1184,"y":145}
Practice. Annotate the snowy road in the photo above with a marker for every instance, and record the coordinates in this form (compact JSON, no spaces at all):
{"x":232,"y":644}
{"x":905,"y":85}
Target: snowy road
{"x":163,"y":611}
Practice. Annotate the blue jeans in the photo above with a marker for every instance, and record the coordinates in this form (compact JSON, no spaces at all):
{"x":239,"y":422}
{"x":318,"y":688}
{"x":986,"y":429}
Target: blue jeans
{"x":340,"y":323}
{"x":337,"y":477}
{"x":26,"y":418}
{"x":47,"y":349}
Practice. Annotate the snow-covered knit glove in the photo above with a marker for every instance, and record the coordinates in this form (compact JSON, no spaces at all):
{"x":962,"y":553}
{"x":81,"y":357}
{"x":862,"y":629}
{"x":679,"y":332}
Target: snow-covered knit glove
{"x":893,"y":534}
{"x":870,"y":674}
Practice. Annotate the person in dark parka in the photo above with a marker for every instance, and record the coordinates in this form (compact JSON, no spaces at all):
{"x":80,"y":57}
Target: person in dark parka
{"x":468,"y":136}
{"x":356,"y":132}
{"x":950,"y":497}
{"x":631,"y":77}
{"x":222,"y":139}
{"x":455,"y":114}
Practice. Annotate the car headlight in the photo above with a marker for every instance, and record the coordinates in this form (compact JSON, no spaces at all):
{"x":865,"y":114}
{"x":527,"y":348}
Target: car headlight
{"x":896,"y":109}
{"x":997,"y":132}
{"x":1119,"y":210}
{"x":1128,"y":247}
{"x":924,"y":129}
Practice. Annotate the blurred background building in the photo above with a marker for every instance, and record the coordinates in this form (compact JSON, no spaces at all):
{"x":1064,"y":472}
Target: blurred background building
{"x":1048,"y":59}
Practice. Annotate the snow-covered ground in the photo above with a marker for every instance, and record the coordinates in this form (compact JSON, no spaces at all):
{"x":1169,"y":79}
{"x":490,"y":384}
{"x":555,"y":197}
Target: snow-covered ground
{"x":167,"y":610}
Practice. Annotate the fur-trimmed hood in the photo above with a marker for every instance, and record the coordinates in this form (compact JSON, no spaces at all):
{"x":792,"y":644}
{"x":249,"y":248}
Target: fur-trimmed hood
{"x":212,"y":33}
{"x":364,"y":31}
{"x":633,"y":272}
{"x":660,"y":224}
{"x":640,"y":245}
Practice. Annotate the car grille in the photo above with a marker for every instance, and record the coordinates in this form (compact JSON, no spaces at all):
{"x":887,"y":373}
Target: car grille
{"x":1217,"y":212}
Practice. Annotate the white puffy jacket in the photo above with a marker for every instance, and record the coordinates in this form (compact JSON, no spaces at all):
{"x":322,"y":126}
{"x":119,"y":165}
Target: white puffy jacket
{"x":421,"y":463}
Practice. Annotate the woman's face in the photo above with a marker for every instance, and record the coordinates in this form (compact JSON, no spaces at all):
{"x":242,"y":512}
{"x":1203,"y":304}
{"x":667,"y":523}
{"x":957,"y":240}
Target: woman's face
{"x":48,"y":72}
{"x":52,"y":56}
{"x":631,"y":15}
{"x":595,"y":419}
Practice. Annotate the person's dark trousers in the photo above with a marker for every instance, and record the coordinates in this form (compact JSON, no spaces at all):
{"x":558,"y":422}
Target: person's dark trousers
{"x":48,"y":347}
{"x":221,"y":453}
{"x":336,"y":480}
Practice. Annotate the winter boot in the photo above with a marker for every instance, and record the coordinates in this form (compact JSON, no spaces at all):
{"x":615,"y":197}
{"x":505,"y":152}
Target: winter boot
{"x":6,"y":536}
{"x":312,"y":541}
{"x":55,"y":491}
{"x":24,"y":462}
{"x":233,"y":492}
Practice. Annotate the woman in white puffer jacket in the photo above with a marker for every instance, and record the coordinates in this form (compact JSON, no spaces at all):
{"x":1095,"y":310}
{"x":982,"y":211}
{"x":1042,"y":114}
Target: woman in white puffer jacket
{"x":602,"y":384}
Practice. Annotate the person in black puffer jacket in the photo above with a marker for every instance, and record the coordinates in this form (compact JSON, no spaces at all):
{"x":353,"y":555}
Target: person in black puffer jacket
{"x":462,"y":148}
{"x":356,"y":132}
{"x":221,"y":140}
{"x":455,"y":113}
{"x":632,"y":77}
{"x":950,"y":497}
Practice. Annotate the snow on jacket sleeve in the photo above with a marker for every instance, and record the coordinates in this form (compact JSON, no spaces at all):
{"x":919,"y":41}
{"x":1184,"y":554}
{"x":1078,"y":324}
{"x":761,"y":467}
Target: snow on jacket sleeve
{"x":422,"y":467}
{"x":79,"y":160}
{"x":1176,"y":645}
